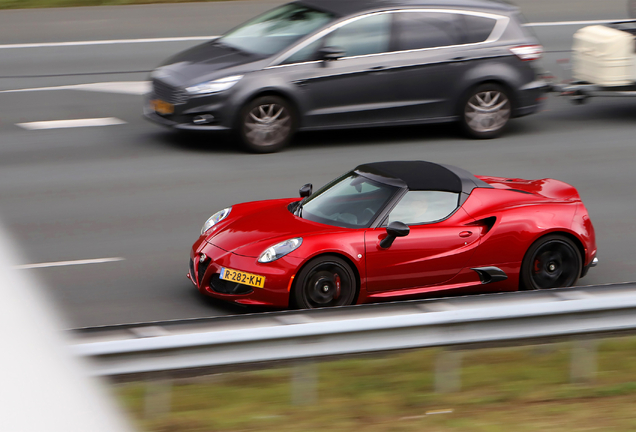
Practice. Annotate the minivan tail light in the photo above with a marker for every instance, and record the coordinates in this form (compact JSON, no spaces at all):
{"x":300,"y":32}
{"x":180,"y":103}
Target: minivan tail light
{"x":528,"y":52}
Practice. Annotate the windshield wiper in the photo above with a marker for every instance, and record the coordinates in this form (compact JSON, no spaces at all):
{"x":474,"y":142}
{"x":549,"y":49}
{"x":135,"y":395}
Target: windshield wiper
{"x":298,"y":211}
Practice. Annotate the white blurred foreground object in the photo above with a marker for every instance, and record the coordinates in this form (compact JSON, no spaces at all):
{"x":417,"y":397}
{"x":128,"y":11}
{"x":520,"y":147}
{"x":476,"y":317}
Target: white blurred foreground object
{"x":44,"y":387}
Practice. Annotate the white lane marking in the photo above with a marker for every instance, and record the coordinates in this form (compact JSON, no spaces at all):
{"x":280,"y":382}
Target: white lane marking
{"x":66,"y":87}
{"x":566,"y":23}
{"x":123,"y":87}
{"x":106,"y":42}
{"x":59,"y":124}
{"x":68,"y":263}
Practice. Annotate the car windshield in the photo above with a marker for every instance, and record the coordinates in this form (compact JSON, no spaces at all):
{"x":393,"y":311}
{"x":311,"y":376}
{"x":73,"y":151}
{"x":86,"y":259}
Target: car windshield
{"x":352,"y":201}
{"x":276,"y":30}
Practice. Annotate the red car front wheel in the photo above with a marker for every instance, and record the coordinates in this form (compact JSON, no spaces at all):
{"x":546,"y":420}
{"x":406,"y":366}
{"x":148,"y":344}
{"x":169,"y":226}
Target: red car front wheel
{"x":323,"y":282}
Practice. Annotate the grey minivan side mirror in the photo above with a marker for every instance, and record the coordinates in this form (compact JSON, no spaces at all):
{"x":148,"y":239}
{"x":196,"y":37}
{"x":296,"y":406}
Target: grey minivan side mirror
{"x":330,"y":53}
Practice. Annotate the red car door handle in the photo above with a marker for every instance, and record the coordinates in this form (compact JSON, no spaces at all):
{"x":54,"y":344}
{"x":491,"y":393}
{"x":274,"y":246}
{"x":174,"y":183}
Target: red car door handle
{"x":464,"y":234}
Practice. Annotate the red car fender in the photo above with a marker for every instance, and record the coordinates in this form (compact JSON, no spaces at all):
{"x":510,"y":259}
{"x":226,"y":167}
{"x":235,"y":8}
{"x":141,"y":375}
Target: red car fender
{"x":583,"y":229}
{"x":517,"y":226}
{"x":348,"y":245}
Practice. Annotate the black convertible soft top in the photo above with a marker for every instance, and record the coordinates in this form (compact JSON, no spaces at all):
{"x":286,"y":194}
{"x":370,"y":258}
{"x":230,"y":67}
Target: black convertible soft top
{"x":421,"y":175}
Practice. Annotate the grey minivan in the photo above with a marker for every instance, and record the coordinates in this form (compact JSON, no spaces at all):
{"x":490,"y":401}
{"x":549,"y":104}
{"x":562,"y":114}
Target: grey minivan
{"x":327,"y":64}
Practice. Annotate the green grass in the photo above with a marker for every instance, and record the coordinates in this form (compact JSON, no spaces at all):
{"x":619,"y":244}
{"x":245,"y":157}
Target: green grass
{"x":29,"y":4}
{"x":520,"y":389}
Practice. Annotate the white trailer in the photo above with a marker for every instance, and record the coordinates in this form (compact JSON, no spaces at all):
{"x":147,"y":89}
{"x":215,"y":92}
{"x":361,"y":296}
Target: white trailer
{"x":603,"y":62}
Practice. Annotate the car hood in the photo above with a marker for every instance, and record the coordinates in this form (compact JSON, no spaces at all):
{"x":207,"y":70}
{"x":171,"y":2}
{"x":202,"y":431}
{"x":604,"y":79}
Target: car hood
{"x":204,"y":62}
{"x":253,"y":227}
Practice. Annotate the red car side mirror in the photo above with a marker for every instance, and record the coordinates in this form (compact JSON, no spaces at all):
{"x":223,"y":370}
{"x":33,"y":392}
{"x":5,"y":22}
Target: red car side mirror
{"x":395,"y":229}
{"x":306,"y":190}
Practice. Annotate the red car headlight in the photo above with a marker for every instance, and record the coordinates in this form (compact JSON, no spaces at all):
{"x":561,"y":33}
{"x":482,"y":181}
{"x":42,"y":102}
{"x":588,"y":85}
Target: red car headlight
{"x":280,"y":250}
{"x":215,"y":219}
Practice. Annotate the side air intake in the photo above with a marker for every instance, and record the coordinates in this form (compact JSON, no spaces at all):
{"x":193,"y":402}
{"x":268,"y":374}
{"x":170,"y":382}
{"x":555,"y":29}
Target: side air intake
{"x":490,"y":274}
{"x":488,"y":223}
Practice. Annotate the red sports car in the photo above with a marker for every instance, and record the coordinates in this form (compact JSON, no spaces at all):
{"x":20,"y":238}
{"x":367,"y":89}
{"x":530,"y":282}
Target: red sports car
{"x":395,"y":230}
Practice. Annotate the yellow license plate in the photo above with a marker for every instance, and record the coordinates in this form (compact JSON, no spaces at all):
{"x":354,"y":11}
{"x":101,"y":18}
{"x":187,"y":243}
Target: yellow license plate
{"x":162,"y":107}
{"x":242,"y":277}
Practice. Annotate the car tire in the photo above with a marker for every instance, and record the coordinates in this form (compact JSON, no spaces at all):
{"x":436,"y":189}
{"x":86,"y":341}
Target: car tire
{"x":553,"y":261}
{"x":267,"y":124}
{"x":324,"y":282}
{"x":485,"y":111}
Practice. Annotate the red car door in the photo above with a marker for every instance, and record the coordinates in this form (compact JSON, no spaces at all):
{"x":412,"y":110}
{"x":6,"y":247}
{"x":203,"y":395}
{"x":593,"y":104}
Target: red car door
{"x":431,"y":254}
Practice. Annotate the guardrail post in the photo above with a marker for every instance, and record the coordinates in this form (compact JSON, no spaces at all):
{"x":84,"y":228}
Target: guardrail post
{"x":583,"y":361}
{"x":304,"y":382}
{"x":448,"y":371}
{"x":158,"y":398}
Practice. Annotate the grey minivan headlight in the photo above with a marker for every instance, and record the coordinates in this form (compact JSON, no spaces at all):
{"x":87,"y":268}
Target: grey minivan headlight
{"x":215,"y":86}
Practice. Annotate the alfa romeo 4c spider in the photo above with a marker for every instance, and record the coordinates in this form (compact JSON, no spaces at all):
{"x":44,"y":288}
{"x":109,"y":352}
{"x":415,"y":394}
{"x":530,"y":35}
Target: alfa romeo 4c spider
{"x":395,"y":230}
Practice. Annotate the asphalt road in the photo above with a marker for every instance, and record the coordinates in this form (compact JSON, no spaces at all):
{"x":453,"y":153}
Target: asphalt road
{"x":141,"y":193}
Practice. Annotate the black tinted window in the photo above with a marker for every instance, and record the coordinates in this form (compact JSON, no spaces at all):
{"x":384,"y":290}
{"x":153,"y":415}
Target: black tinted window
{"x":477,"y":29}
{"x":418,"y":30}
{"x":308,"y":53}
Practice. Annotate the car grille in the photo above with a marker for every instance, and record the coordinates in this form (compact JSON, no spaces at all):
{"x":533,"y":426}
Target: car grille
{"x":192,"y":273}
{"x":168,"y":93}
{"x":226,"y":287}
{"x":203,"y":266}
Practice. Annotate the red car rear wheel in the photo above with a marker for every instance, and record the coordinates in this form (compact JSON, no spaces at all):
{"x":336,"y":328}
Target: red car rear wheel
{"x":552,"y":261}
{"x":323,"y":282}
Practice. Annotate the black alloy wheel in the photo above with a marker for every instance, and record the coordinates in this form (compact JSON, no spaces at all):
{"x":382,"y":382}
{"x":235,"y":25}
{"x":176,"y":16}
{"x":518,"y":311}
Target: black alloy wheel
{"x":323,"y":282}
{"x":267,"y":124}
{"x":553,"y":261}
{"x":486,"y":111}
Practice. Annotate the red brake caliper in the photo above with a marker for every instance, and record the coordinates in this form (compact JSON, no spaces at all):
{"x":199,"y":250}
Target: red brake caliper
{"x":536,"y":266}
{"x":336,"y":279}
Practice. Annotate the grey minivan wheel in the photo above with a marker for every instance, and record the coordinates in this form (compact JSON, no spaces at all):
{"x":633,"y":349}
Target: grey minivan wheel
{"x":267,"y":124}
{"x":486,"y":111}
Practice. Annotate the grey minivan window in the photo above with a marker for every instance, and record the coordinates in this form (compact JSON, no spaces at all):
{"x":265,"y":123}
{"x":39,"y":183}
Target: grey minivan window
{"x":307,"y":53}
{"x":417,"y":30}
{"x":420,"y":207}
{"x":368,"y":35}
{"x":477,"y":29}
{"x":276,"y":30}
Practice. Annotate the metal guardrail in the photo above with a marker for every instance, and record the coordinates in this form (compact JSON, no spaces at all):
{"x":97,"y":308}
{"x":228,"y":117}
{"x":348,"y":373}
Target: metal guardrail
{"x":196,"y":347}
